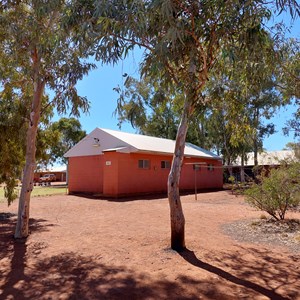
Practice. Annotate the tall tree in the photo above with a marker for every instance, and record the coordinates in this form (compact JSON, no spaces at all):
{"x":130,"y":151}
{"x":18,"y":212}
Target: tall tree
{"x":290,"y":82}
{"x":244,"y":90}
{"x":155,"y":112}
{"x":36,"y":41}
{"x":14,"y":112}
{"x":12,"y":141}
{"x":182,"y":40}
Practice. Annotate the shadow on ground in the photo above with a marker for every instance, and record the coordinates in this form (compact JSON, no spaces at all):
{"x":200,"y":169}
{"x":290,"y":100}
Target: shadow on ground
{"x":271,"y":277}
{"x":73,"y":276}
{"x":7,"y":227}
{"x":147,"y":197}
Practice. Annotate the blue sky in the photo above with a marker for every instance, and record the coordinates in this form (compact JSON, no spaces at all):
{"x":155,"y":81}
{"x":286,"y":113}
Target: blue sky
{"x":98,"y":88}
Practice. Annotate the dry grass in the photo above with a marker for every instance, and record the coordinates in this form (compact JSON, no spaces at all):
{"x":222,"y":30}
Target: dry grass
{"x":40,"y":191}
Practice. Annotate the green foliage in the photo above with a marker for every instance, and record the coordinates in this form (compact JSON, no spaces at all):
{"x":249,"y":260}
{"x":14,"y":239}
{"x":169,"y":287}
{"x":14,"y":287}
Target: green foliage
{"x":64,"y":134}
{"x":37,"y":48}
{"x":12,"y":140}
{"x":148,"y":108}
{"x":243,"y":94}
{"x":277,"y":192}
{"x":294,"y":147}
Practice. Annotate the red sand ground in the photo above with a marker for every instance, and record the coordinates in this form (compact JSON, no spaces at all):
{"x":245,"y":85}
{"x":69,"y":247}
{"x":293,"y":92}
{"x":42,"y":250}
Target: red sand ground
{"x":82,"y":248}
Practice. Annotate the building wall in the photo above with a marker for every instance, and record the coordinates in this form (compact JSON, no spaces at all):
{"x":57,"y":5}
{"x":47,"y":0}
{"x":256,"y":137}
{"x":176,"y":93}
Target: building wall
{"x":122,"y":175}
{"x":110,"y":173}
{"x":208,"y":176}
{"x":85,"y":174}
{"x":118,"y":174}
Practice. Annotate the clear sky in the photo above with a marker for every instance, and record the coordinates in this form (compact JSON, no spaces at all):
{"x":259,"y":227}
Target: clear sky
{"x":98,"y":88}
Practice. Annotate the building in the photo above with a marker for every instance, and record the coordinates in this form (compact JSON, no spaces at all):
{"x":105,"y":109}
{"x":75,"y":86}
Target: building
{"x":115,"y":164}
{"x":266,"y":160}
{"x":60,"y":173}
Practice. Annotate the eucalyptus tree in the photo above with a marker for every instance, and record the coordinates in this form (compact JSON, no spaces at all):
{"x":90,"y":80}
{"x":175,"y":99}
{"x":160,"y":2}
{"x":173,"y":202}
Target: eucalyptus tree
{"x":147,"y":107}
{"x":261,"y":70}
{"x":12,"y":141}
{"x":243,"y":91}
{"x":153,"y":111}
{"x":67,"y":132}
{"x":290,"y":82}
{"x":36,"y":40}
{"x":13,"y":116}
{"x":182,"y":41}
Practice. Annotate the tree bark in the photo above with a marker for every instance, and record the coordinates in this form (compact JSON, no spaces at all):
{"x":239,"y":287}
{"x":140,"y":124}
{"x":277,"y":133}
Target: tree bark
{"x":242,"y":167}
{"x":255,"y":142}
{"x":176,"y":212}
{"x":22,"y":228}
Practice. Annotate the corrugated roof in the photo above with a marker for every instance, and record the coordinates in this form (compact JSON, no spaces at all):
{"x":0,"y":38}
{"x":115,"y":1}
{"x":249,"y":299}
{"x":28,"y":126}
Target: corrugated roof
{"x":112,"y":140}
{"x":267,"y":158}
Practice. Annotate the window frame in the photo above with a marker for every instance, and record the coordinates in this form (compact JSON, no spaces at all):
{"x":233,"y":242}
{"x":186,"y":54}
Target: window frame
{"x":196,"y":167}
{"x":165,"y":164}
{"x":210,"y":167}
{"x":144,"y":164}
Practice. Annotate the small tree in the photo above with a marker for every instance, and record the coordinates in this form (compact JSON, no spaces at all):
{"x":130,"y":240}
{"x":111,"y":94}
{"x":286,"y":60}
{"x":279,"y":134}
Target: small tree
{"x":68,"y":132}
{"x":277,"y":192}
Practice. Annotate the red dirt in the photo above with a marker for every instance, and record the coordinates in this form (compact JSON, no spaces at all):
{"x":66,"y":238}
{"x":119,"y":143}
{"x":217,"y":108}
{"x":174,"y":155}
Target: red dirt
{"x":82,"y":248}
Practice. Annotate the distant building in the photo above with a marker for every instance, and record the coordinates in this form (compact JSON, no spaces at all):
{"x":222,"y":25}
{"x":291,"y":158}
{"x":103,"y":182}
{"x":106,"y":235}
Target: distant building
{"x":114,"y":163}
{"x":266,"y":160}
{"x":60,"y":173}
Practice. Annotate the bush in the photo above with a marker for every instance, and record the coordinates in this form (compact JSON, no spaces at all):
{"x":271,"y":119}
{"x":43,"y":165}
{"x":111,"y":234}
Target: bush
{"x":277,"y":191}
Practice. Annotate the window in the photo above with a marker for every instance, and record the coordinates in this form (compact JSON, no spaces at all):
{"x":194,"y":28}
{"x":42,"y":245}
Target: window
{"x":196,"y":167}
{"x":144,"y":164}
{"x":165,"y":164}
{"x":210,"y":167}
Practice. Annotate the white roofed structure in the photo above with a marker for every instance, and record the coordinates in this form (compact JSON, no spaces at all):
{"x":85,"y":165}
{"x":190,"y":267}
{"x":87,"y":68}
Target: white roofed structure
{"x":267,"y":158}
{"x":116,"y":164}
{"x":104,"y":140}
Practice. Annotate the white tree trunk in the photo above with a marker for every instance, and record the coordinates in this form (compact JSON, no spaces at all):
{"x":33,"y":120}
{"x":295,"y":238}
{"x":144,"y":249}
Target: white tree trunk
{"x":242,"y":168}
{"x":22,"y":228}
{"x":176,"y":212}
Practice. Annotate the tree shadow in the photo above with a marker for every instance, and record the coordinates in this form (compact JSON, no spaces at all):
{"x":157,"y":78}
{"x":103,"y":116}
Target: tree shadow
{"x":7,"y":227}
{"x":271,"y":273}
{"x":73,"y":276}
{"x":147,"y":197}
{"x":16,"y":275}
{"x":142,"y":196}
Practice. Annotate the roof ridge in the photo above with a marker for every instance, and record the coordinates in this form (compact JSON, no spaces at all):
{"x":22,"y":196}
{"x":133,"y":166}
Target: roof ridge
{"x":135,"y":134}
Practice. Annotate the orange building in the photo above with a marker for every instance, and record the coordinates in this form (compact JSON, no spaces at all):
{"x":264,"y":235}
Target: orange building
{"x":116,"y":164}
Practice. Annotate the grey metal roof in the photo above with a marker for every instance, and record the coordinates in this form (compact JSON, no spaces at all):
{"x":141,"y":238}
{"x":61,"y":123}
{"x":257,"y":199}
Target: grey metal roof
{"x":112,"y":140}
{"x":267,"y":158}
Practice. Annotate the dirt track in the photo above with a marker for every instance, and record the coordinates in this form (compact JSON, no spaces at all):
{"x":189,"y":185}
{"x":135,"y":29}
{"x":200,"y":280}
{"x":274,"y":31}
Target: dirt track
{"x":82,"y":248}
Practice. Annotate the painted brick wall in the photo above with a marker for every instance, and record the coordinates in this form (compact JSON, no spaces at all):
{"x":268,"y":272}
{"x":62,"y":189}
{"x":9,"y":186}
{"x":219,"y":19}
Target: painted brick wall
{"x":132,"y":179}
{"x":122,"y":176}
{"x":204,"y":178}
{"x":116,"y":174}
{"x":86,"y":174}
{"x":110,"y":173}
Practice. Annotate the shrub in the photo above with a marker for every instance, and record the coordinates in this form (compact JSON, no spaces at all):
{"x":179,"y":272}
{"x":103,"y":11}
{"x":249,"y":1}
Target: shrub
{"x":277,"y":191}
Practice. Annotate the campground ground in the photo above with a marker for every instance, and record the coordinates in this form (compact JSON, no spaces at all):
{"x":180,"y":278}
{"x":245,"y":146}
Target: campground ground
{"x":88,"y":248}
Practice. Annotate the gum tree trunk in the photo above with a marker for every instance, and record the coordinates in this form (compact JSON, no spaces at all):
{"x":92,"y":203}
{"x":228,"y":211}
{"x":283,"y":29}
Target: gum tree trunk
{"x":22,"y":228}
{"x":242,"y":168}
{"x":176,"y":212}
